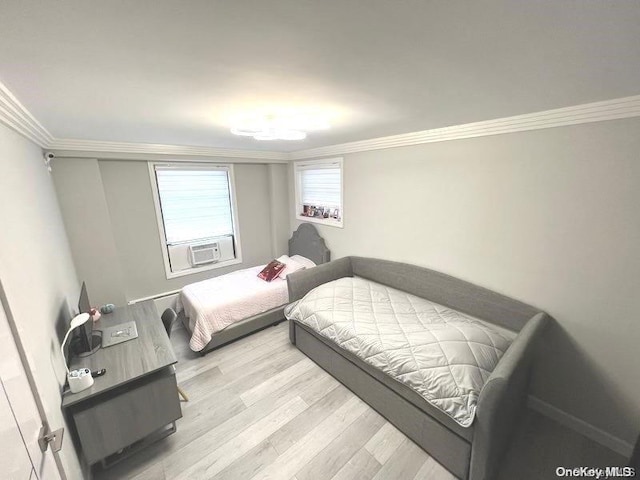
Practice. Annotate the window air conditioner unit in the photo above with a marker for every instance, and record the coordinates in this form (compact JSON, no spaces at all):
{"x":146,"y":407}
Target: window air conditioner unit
{"x":203,"y":253}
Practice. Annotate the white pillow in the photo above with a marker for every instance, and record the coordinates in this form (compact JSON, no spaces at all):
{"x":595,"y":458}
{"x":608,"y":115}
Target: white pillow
{"x":291,"y":266}
{"x":283,"y":259}
{"x":304,"y":261}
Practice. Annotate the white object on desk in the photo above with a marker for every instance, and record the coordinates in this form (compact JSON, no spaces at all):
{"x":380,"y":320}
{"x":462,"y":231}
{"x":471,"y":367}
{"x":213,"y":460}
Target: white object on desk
{"x":78,"y":379}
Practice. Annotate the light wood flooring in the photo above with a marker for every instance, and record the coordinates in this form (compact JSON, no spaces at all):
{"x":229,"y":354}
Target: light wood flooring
{"x":260,"y":409}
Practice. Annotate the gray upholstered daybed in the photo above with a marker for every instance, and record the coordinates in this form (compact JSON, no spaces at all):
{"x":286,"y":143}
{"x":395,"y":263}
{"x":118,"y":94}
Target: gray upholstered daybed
{"x":305,"y":242}
{"x":469,"y":452}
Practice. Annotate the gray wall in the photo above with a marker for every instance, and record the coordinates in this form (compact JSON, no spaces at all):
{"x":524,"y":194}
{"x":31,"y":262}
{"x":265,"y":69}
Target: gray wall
{"x":130,"y":243}
{"x":79,"y":187}
{"x":279,"y":201}
{"x":37,"y":272}
{"x":549,"y":217}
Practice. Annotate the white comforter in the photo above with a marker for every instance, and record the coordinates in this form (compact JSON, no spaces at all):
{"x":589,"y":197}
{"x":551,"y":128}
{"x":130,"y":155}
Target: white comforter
{"x":214,"y":304}
{"x":440,"y":353}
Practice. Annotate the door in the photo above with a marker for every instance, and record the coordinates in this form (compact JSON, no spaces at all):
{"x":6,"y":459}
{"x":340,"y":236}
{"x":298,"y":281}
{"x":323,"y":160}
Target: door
{"x":14,"y":457}
{"x":21,"y":457}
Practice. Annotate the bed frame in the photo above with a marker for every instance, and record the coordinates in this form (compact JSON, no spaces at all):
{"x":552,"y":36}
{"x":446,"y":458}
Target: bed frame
{"x":471,"y":453}
{"x":305,"y":241}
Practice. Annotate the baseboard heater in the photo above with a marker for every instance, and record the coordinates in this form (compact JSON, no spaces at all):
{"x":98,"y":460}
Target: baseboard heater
{"x":154,"y":297}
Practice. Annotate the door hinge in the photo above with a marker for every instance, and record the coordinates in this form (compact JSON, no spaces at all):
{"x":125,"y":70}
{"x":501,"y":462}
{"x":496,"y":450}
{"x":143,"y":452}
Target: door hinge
{"x":47,"y":437}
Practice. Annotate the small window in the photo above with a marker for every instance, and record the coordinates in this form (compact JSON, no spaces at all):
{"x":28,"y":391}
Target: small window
{"x":195,"y":206}
{"x":319,"y":196}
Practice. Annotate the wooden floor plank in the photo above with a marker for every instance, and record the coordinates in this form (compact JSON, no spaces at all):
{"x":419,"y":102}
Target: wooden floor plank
{"x":297,"y":387}
{"x":432,"y":470}
{"x":325,"y":384}
{"x":156,"y":472}
{"x":296,"y":457}
{"x":203,"y":397}
{"x":211,"y":384}
{"x":384,"y":443}
{"x":200,"y":385}
{"x":405,"y":462}
{"x":194,"y":361}
{"x":260,"y":353}
{"x":297,"y":428}
{"x":202,"y":418}
{"x":337,"y":453}
{"x":227,"y":355}
{"x":237,"y":445}
{"x":255,"y":374}
{"x":362,"y":466}
{"x":247,"y":344}
{"x":198,"y":447}
{"x":276,"y":382}
{"x":250,"y":463}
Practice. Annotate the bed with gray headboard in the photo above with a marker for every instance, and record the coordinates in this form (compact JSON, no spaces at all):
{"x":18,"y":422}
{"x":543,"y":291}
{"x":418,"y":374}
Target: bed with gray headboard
{"x":409,"y":341}
{"x":305,"y":242}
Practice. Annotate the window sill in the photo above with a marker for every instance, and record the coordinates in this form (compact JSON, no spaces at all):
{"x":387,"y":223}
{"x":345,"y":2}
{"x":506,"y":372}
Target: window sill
{"x":204,"y":268}
{"x":330,"y":222}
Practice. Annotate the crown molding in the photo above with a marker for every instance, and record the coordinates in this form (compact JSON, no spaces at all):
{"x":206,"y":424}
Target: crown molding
{"x":618,"y":108}
{"x":80,"y":148}
{"x":15,"y":115}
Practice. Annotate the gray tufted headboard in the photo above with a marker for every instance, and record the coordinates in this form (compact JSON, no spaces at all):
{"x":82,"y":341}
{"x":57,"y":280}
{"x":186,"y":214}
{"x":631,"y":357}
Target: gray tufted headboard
{"x":307,"y":242}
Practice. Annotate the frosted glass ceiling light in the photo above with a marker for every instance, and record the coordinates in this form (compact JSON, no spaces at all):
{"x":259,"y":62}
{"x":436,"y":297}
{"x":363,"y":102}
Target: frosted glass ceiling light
{"x":271,"y":127}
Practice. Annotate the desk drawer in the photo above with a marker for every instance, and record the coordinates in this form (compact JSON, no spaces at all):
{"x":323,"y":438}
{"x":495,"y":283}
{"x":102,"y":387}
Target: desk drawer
{"x":124,"y":417}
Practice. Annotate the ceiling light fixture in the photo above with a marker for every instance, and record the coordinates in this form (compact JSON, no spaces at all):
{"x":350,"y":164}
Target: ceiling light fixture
{"x":281,"y":127}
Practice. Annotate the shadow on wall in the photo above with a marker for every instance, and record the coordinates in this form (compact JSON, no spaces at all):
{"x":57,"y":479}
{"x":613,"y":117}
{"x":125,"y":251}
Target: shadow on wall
{"x":62,"y":322}
{"x":558,"y":344}
{"x":63,"y":319}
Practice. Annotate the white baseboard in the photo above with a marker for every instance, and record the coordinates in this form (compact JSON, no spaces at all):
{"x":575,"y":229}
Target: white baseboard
{"x":162,"y":300}
{"x":580,"y":426}
{"x":154,"y":297}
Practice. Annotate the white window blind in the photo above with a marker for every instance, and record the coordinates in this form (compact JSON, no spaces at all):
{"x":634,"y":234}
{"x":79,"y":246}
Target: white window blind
{"x":195,"y":203}
{"x":321,"y":187}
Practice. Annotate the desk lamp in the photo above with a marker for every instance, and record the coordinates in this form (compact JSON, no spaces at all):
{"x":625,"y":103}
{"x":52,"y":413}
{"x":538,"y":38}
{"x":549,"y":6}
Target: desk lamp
{"x":78,"y":379}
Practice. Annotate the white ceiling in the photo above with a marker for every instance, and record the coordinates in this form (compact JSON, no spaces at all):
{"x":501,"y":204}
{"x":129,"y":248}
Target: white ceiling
{"x":175,"y":71}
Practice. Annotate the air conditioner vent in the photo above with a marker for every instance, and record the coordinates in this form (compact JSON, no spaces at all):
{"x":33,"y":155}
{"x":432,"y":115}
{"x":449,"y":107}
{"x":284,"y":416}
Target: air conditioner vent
{"x":204,"y":253}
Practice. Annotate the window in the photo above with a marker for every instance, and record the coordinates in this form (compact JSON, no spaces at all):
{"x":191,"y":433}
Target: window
{"x":195,"y":206}
{"x":319,"y":191}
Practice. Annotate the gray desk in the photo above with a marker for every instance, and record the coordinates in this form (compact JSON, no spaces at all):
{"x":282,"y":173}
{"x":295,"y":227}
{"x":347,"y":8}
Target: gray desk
{"x":136,"y":401}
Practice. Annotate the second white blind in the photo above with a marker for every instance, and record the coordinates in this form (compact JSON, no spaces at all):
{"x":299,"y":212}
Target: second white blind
{"x":321,"y":187}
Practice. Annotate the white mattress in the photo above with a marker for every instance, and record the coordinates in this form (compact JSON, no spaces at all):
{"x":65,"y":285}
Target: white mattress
{"x":216,"y":303}
{"x":440,"y":353}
